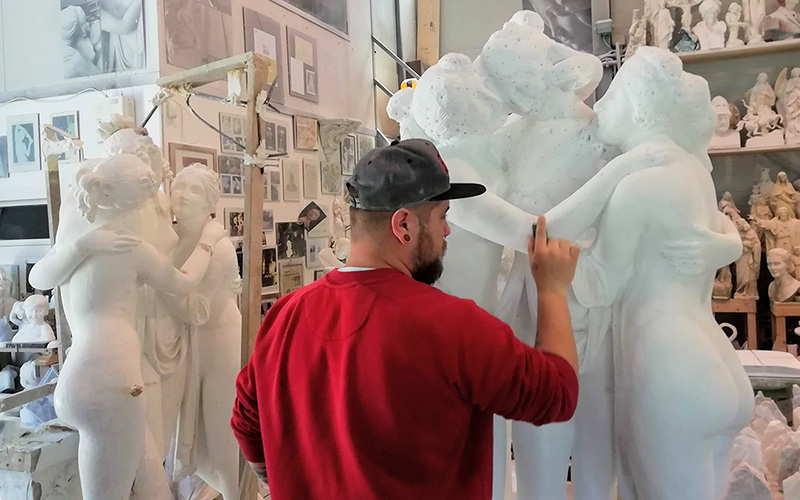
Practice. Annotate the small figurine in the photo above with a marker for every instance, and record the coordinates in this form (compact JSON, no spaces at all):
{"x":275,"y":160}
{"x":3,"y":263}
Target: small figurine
{"x":663,"y":25}
{"x":780,"y":232}
{"x":789,"y":104}
{"x":754,"y":13}
{"x":29,"y":317}
{"x":733,"y":20}
{"x":783,"y":195}
{"x":761,"y":121}
{"x":785,"y":287}
{"x":748,"y":266}
{"x":725,"y":135}
{"x":710,"y":31}
{"x":726,"y":202}
{"x":723,"y":284}
{"x":784,"y":23}
{"x":637,"y":34}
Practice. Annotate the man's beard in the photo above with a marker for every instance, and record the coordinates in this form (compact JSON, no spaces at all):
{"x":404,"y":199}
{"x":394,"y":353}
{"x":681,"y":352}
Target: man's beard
{"x":427,"y":270}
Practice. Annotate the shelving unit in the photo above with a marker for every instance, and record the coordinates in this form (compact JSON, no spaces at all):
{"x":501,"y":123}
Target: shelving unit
{"x":754,"y":151}
{"x":784,"y":46}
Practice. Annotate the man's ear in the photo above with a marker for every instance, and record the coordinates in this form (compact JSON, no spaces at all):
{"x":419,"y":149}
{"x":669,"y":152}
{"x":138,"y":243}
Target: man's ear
{"x":404,"y":226}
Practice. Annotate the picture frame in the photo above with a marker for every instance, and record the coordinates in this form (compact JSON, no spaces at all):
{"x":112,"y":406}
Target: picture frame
{"x":68,"y":122}
{"x":268,"y":221}
{"x":366,"y":143}
{"x":306,"y":132}
{"x":310,"y":178}
{"x":303,"y":77}
{"x":196,"y":33}
{"x":347,"y":152}
{"x":269,"y":271}
{"x":3,"y":156}
{"x":291,"y":277}
{"x":331,"y":15}
{"x":267,"y":301}
{"x":264,"y":35}
{"x":234,"y":126}
{"x":11,"y":273}
{"x":272,"y":183}
{"x":234,"y":222}
{"x":231,"y":175}
{"x":291,"y":239}
{"x":292,"y":182}
{"x":24,"y":149}
{"x":311,"y":216}
{"x":183,"y":155}
{"x":319,"y":274}
{"x":330,"y":178}
{"x":313,"y":247}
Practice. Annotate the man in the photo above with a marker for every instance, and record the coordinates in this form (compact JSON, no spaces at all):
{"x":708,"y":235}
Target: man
{"x":370,"y":384}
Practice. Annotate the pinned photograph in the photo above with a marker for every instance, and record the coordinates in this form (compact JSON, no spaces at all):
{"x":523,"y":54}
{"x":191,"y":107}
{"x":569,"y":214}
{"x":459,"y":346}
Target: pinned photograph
{"x":232,"y":174}
{"x":311,"y":216}
{"x":234,"y":223}
{"x":266,"y":304}
{"x":3,"y":156}
{"x":305,"y":133}
{"x":197,"y":32}
{"x":271,"y":138}
{"x":291,"y":237}
{"x":282,"y":147}
{"x":331,"y":177}
{"x":183,"y":155}
{"x":315,"y":246}
{"x":291,"y":180}
{"x":291,"y":278}
{"x":366,"y":143}
{"x":23,"y":143}
{"x":269,"y":270}
{"x":310,"y":177}
{"x":311,"y":82}
{"x":269,"y":221}
{"x":348,"y":155}
{"x":68,"y":122}
{"x":272,"y":184}
{"x":233,"y":127}
{"x":319,"y":274}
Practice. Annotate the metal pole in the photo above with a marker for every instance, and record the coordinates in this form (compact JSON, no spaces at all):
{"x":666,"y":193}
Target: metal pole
{"x":394,"y":56}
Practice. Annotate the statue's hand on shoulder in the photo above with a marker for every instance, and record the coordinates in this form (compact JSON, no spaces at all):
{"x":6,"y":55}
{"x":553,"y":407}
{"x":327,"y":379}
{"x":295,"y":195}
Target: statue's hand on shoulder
{"x":104,"y":240}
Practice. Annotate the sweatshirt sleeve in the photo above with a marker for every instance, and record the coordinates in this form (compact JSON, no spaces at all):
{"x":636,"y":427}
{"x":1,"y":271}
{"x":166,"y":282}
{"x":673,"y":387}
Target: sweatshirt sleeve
{"x":245,"y":422}
{"x":501,"y":374}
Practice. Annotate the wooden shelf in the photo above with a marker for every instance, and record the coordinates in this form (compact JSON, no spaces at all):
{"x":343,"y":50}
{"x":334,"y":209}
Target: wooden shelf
{"x":753,"y":151}
{"x":701,"y":56}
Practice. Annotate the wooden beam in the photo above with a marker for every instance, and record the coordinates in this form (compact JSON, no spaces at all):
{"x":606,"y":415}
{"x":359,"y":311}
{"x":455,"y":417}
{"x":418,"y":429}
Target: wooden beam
{"x":428,"y":27}
{"x":218,"y":71}
{"x":27,"y":396}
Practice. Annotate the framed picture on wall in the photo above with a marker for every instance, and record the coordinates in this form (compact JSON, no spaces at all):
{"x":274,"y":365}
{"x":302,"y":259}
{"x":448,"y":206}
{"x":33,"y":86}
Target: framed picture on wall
{"x":329,"y":14}
{"x":347,"y":149}
{"x":330,"y":177}
{"x":231,"y":175}
{"x":23,"y":143}
{"x":267,"y":301}
{"x":311,"y":216}
{"x":3,"y":156}
{"x":269,"y":271}
{"x":305,"y":133}
{"x":232,"y":126}
{"x":265,"y":36}
{"x":319,"y":274}
{"x":303,"y":81}
{"x":68,"y":122}
{"x":315,"y":246}
{"x":269,"y":221}
{"x":234,"y":222}
{"x":291,"y":277}
{"x":197,"y":33}
{"x":183,"y":155}
{"x":10,"y":273}
{"x":366,"y":143}
{"x":272,"y":182}
{"x":291,"y":237}
{"x":310,"y":178}
{"x":291,"y":180}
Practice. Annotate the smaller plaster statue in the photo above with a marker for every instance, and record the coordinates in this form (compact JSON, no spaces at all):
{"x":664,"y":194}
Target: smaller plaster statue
{"x":723,"y":284}
{"x":759,"y":209}
{"x":785,"y":287}
{"x":783,"y":195}
{"x":733,"y":20}
{"x":29,"y":317}
{"x":725,"y":135}
{"x":637,"y":34}
{"x":761,"y":121}
{"x":754,"y":13}
{"x":663,"y":25}
{"x":789,"y":105}
{"x":726,"y":202}
{"x":749,"y":264}
{"x":784,"y":23}
{"x":710,"y":31}
{"x":780,"y":232}
{"x":796,"y":261}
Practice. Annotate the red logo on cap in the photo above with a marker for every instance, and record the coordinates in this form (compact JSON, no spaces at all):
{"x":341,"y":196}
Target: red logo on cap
{"x":442,"y":162}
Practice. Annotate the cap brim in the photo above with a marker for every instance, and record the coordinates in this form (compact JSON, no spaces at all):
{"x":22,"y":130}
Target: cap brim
{"x":461,"y":191}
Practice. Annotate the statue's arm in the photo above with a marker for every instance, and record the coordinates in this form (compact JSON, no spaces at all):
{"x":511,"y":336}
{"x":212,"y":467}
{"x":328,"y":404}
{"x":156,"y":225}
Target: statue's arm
{"x":127,"y":23}
{"x":158,"y":272}
{"x":493,"y":218}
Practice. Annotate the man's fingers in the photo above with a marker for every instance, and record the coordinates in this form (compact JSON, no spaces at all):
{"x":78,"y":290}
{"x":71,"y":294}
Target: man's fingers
{"x":531,"y":245}
{"x":541,"y":230}
{"x":574,"y":252}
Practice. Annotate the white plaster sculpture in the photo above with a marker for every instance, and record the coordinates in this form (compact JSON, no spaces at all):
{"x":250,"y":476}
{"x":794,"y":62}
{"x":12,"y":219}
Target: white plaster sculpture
{"x":205,"y":443}
{"x":710,"y":32}
{"x":6,"y":306}
{"x":686,"y":12}
{"x":783,"y":195}
{"x":789,"y":107}
{"x":103,"y":389}
{"x":646,"y":111}
{"x":637,"y":34}
{"x":733,"y":19}
{"x":748,"y":267}
{"x":663,"y":25}
{"x":725,"y":135}
{"x":785,"y":287}
{"x":784,"y":21}
{"x":761,"y":121}
{"x":754,"y":13}
{"x":726,"y":203}
{"x":399,"y":110}
{"x":29,"y":317}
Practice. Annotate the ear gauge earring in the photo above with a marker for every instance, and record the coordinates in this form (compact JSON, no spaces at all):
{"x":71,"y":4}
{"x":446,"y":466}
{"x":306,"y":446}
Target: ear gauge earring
{"x":407,"y":238}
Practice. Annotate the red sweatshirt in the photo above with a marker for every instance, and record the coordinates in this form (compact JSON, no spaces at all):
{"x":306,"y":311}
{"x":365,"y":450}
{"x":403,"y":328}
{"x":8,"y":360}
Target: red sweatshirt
{"x":370,"y":385}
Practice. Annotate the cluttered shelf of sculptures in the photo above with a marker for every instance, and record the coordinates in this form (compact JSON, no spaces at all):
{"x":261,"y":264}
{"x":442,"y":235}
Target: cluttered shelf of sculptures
{"x":754,"y":150}
{"x":708,"y":55}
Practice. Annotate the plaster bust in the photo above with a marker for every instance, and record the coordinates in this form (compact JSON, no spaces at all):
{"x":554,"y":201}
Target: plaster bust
{"x":784,"y":288}
{"x":784,"y":20}
{"x":725,"y":136}
{"x":710,"y":31}
{"x":29,"y":316}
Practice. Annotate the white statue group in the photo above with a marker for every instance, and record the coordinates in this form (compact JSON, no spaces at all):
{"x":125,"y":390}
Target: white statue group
{"x":514,"y":120}
{"x":156,"y":328}
{"x":710,"y":33}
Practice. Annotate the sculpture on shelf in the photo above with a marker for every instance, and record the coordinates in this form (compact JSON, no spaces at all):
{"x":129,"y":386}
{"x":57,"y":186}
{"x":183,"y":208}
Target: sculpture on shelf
{"x":663,"y":25}
{"x":726,"y":202}
{"x":205,"y":443}
{"x":734,"y":21}
{"x":785,"y":287}
{"x":725,"y":136}
{"x":637,"y":34}
{"x":710,"y":32}
{"x":783,"y":23}
{"x":783,"y":195}
{"x":754,"y":13}
{"x":103,"y":389}
{"x":723,"y":284}
{"x":796,"y":261}
{"x":7,"y":303}
{"x":789,"y":106}
{"x":748,"y":267}
{"x":780,"y":232}
{"x":646,"y":110}
{"x":29,"y":317}
{"x":761,"y":121}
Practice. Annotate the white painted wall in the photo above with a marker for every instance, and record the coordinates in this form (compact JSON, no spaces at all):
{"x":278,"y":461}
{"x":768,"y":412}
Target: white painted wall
{"x":467,"y":24}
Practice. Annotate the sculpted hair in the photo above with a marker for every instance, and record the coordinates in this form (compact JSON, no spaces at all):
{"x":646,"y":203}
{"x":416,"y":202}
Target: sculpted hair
{"x":209,"y":179}
{"x":785,"y":256}
{"x":87,"y":191}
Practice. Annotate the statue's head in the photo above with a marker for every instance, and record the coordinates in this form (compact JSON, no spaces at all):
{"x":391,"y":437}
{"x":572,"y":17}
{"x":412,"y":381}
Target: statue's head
{"x":122,"y":136}
{"x":121,"y":182}
{"x":709,"y":10}
{"x":36,"y":308}
{"x":195,"y":191}
{"x":723,"y":110}
{"x":782,"y":213}
{"x":652,"y":95}
{"x":762,"y":78}
{"x":779,"y":263}
{"x":796,"y":73}
{"x":782,"y":178}
{"x":735,"y":9}
{"x":451,"y":102}
{"x":399,"y":110}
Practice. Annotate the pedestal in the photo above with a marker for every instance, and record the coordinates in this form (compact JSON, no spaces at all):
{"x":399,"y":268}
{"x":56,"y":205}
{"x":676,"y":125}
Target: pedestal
{"x":741,"y":306}
{"x":781,"y":311}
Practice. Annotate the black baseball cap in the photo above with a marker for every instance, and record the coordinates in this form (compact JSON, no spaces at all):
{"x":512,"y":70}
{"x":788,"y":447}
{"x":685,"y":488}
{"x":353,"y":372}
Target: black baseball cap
{"x":402,"y":175}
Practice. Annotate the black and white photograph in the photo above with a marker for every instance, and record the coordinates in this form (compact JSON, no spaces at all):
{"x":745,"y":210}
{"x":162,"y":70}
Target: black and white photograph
{"x":197,"y":32}
{"x":269,"y":270}
{"x":272,"y":184}
{"x":348,"y":155}
{"x":23,"y":143}
{"x":314,"y":247}
{"x":3,"y":156}
{"x":269,"y":221}
{"x":265,"y":36}
{"x":329,"y":14}
{"x":232,"y":175}
{"x":303,"y":81}
{"x":183,"y":155}
{"x":234,"y":222}
{"x":101,"y":36}
{"x":319,"y":274}
{"x":68,"y":122}
{"x":291,"y":180}
{"x":271,"y":137}
{"x":291,"y":277}
{"x":310,"y":178}
{"x":291,"y":238}
{"x":366,"y":143}
{"x":266,"y":304}
{"x":282,"y":147}
{"x":233,"y":127}
{"x":311,"y":216}
{"x":305,"y":133}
